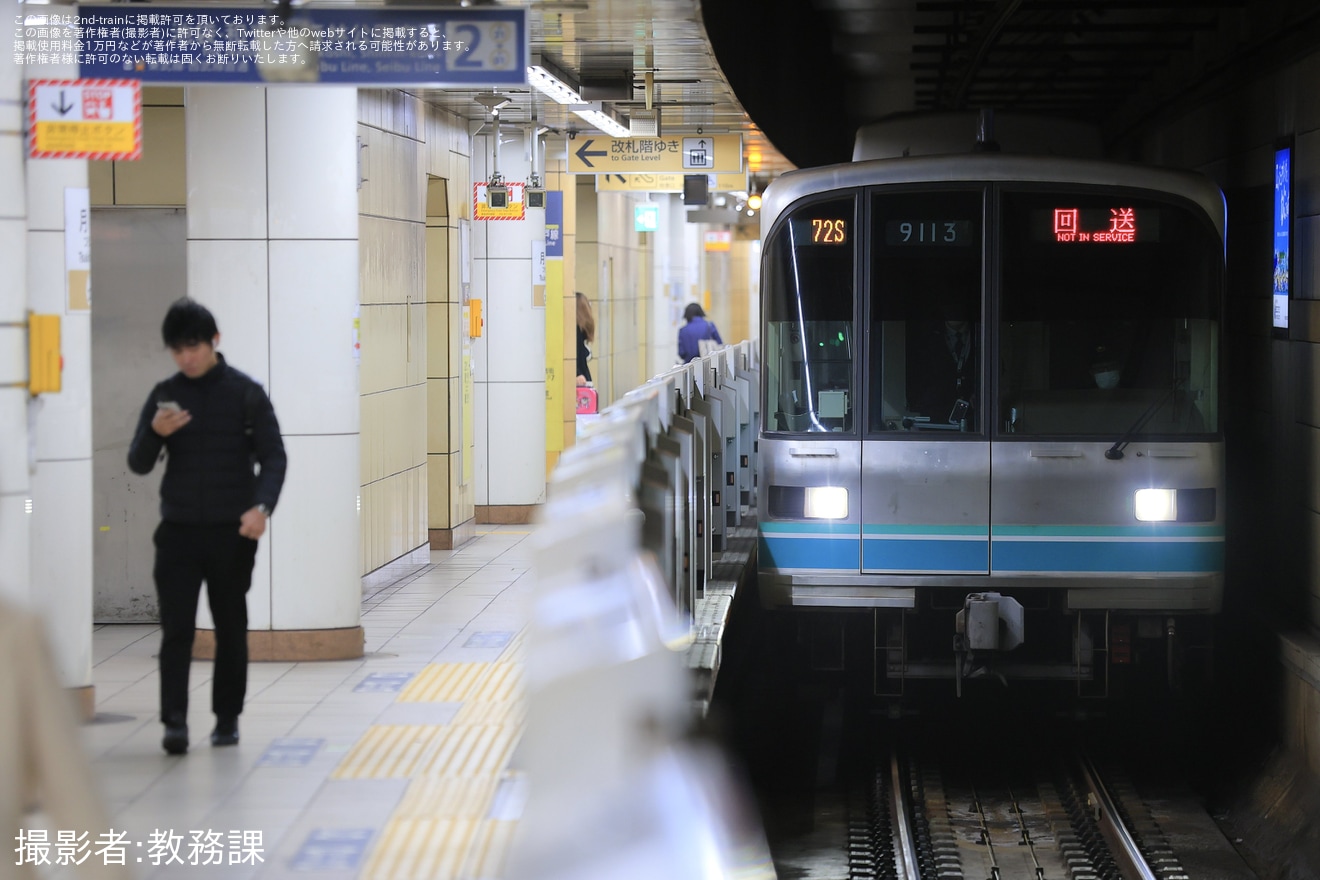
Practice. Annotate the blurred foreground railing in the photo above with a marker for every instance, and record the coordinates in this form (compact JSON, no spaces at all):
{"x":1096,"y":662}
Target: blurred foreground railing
{"x":628,"y":556}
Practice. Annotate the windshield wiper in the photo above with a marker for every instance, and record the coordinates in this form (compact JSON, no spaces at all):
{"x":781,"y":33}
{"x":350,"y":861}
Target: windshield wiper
{"x":1115,"y":452}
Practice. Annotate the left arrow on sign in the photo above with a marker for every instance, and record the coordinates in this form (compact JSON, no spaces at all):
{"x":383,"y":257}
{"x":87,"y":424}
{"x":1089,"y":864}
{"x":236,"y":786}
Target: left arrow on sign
{"x":583,"y":153}
{"x":63,"y":106}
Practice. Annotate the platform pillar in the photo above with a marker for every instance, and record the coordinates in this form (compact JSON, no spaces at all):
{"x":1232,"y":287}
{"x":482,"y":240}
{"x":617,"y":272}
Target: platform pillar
{"x":15,"y":481}
{"x":273,"y":252}
{"x":58,"y":454}
{"x":509,"y":356}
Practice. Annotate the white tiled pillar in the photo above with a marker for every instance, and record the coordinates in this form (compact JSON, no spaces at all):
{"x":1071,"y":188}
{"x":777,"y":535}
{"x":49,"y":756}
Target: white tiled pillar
{"x":509,"y":381}
{"x":60,"y":423}
{"x":15,"y":484}
{"x":273,"y":252}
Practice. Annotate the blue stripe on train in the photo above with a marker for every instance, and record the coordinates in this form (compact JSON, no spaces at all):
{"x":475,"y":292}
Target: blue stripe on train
{"x":928,"y":555}
{"x":1111,"y":556}
{"x":840,"y":554}
{"x":930,"y":549}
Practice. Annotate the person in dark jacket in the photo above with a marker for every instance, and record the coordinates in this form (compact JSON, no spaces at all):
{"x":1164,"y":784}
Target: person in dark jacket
{"x":213,"y":425}
{"x":694,"y":332}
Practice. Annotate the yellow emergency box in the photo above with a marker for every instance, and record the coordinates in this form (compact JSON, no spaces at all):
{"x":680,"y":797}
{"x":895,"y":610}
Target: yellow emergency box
{"x":45,"y":365}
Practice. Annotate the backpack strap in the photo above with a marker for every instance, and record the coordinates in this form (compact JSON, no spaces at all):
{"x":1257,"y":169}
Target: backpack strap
{"x":250,"y":408}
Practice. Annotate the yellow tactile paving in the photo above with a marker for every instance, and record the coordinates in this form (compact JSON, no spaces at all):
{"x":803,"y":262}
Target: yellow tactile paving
{"x":469,"y":751}
{"x":507,"y":712}
{"x":444,"y":683}
{"x":439,"y":829}
{"x":488,"y":850}
{"x":447,"y":798}
{"x":387,"y":751}
{"x":434,"y":849}
{"x":503,"y":682}
{"x":515,"y":650}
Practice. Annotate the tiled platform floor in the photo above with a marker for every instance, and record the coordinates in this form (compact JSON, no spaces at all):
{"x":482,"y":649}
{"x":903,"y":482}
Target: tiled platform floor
{"x":392,"y":766}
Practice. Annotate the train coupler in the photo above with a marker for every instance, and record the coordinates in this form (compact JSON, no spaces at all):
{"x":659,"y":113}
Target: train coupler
{"x":988,"y":622}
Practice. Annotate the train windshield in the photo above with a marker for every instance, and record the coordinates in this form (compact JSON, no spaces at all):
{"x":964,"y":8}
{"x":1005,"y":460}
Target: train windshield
{"x":1109,"y":316}
{"x":925,"y":339}
{"x":809,"y":283}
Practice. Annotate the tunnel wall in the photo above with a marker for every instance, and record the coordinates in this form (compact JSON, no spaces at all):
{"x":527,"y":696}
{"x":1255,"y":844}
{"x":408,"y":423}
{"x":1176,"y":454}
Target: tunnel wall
{"x":1273,"y":425}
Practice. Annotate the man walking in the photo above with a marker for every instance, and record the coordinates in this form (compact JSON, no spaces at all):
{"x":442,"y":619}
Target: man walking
{"x":224,"y":467}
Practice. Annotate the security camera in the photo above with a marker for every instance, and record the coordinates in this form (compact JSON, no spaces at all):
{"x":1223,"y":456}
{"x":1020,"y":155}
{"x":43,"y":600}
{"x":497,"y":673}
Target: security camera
{"x":497,"y":196}
{"x":572,"y":133}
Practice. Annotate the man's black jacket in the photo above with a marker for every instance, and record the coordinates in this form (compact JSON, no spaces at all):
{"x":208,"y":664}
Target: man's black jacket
{"x":209,"y":473}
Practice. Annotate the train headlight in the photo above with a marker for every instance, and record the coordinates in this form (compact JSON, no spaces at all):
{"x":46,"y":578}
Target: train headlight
{"x":826,"y":502}
{"x":1156,"y":505}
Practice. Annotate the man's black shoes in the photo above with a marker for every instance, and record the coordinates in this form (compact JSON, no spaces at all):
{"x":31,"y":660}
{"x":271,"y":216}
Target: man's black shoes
{"x":176,"y":738}
{"x":226,"y":731}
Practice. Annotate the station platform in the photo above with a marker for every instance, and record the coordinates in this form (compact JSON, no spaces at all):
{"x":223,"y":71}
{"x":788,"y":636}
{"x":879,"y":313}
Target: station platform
{"x":392,"y":766}
{"x":396,"y":765}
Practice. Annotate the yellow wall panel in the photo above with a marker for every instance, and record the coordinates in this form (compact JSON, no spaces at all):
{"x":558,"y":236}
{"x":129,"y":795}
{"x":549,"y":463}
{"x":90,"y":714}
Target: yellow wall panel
{"x":369,"y":413}
{"x":437,"y":417}
{"x":438,"y":492}
{"x":456,"y":413}
{"x":158,"y":177}
{"x":456,"y":332}
{"x":437,"y":340}
{"x":162,"y":96}
{"x":437,"y":264}
{"x":415,"y":354}
{"x":101,"y":181}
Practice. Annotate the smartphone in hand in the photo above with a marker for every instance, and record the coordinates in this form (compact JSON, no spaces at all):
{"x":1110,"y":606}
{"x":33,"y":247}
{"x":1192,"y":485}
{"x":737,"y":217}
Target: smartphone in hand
{"x":170,"y":405}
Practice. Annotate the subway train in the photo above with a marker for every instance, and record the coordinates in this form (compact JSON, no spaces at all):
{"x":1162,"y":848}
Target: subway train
{"x":992,"y":437}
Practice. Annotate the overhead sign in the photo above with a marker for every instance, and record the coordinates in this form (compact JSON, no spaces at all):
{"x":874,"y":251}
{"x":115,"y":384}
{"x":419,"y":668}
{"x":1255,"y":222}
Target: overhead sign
{"x":85,"y":119}
{"x":676,"y":155}
{"x":667,"y":183}
{"x":438,"y":48}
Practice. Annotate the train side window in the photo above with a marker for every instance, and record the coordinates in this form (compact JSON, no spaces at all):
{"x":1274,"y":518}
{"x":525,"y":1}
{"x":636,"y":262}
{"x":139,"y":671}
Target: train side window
{"x":926,"y":327}
{"x":1110,"y":316}
{"x":808,"y":341}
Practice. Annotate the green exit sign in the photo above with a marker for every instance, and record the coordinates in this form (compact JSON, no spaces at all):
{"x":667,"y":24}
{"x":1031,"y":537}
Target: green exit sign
{"x":646,"y":218}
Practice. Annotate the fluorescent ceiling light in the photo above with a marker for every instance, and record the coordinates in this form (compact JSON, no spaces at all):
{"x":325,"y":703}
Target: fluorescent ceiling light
{"x":552,"y":86}
{"x":593,"y":114}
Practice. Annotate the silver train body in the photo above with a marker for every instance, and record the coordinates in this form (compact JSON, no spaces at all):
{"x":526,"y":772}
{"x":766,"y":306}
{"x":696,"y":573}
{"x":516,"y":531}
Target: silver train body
{"x":991,"y":391}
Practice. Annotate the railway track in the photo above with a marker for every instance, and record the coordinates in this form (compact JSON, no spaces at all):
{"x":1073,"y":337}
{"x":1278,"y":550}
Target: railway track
{"x":1056,"y":821}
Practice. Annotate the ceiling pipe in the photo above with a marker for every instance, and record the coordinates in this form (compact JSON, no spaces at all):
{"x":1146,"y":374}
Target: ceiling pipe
{"x":990,"y":31}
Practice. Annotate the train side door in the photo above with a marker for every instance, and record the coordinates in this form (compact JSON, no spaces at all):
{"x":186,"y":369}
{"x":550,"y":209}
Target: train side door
{"x":926,"y":453}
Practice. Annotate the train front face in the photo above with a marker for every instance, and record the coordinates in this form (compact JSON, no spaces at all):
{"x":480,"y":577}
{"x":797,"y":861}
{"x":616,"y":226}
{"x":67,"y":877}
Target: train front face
{"x":1060,"y":516}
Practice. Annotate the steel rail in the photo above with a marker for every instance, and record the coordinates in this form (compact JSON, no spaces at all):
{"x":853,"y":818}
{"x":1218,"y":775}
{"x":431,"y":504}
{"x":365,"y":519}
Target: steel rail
{"x":905,"y":852}
{"x":1122,"y":846}
{"x":986,"y":837}
{"x":1016,"y":807}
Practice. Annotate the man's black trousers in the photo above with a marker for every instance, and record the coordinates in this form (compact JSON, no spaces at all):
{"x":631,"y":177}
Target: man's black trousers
{"x":185,"y":556}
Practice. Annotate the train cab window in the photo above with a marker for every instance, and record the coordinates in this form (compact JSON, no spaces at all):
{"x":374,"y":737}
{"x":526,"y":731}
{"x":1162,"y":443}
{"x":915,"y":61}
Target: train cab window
{"x":1110,"y":316}
{"x":809,"y":293}
{"x":925,"y":336}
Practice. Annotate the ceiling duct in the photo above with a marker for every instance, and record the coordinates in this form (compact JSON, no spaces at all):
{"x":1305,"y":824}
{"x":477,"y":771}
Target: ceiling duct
{"x":607,"y":86}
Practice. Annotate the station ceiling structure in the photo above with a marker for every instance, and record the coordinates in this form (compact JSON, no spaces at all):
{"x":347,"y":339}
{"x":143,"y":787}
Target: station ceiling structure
{"x":797,"y":77}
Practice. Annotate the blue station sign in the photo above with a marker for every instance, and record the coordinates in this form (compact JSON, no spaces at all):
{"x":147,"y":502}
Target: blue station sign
{"x":393,"y":46}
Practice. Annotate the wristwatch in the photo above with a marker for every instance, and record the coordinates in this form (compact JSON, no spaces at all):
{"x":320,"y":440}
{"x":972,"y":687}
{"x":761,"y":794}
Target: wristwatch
{"x":265,"y":510}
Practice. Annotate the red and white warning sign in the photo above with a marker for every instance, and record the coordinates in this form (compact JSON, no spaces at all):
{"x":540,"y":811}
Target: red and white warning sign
{"x":85,"y":118}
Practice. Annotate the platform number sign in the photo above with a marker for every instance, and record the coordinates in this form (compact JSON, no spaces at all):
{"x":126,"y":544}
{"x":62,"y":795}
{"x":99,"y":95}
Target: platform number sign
{"x":489,"y":46}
